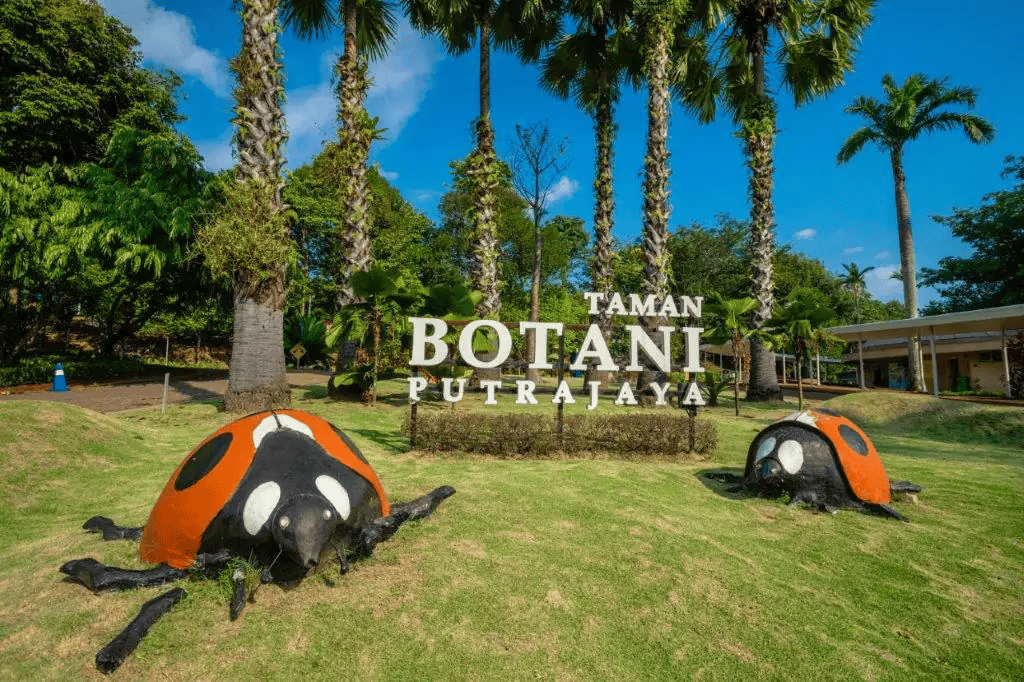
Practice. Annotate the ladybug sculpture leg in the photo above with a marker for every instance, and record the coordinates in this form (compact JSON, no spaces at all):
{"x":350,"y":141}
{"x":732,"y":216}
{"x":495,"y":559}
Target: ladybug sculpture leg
{"x":113,"y":654}
{"x":100,"y":578}
{"x":383,"y":527}
{"x":110,"y":530}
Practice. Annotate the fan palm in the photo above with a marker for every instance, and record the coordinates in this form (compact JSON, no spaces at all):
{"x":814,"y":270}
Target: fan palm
{"x":911,"y":110}
{"x":732,"y":329}
{"x":520,"y":25}
{"x":816,"y":40}
{"x":854,"y":280}
{"x":798,"y":323}
{"x":257,"y":376}
{"x":369,"y":26}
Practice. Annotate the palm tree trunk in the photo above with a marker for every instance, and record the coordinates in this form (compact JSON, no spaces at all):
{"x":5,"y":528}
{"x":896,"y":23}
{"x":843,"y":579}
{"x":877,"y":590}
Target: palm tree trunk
{"x":656,"y":172}
{"x":907,"y":267}
{"x":484,"y":265}
{"x":356,"y":136}
{"x":604,"y":205}
{"x":257,"y":376}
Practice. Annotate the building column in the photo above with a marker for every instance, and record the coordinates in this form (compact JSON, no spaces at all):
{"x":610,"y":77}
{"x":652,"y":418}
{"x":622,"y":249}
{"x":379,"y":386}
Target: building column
{"x":1006,"y":361}
{"x":935,"y":365}
{"x":860,"y":355}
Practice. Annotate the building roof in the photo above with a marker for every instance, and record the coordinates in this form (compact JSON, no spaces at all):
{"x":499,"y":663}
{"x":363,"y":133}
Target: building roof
{"x":1009,"y":317}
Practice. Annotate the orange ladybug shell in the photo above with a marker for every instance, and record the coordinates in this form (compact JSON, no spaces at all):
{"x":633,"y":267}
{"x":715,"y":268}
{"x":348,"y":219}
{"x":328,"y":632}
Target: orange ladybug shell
{"x":859,"y":461}
{"x":176,"y":524}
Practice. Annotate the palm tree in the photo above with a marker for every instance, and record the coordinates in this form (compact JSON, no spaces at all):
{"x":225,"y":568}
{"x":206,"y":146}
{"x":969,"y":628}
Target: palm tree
{"x":369,"y":26}
{"x":909,"y":111}
{"x":854,"y":281}
{"x":731,"y":329}
{"x":589,"y":65}
{"x":256,"y":379}
{"x":798,"y":323}
{"x":521,"y":25}
{"x":817,"y":41}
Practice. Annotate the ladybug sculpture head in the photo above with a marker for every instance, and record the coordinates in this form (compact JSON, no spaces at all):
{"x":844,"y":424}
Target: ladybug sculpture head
{"x":821,"y":458}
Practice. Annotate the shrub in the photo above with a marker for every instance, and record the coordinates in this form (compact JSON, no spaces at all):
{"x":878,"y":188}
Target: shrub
{"x":627,"y":436}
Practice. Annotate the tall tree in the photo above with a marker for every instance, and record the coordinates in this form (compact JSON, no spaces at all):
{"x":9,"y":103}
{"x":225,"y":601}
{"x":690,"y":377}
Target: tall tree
{"x":369,"y":26}
{"x":68,"y":73}
{"x":589,"y":65}
{"x":520,"y":25}
{"x":537,"y":161}
{"x":853,"y":279}
{"x":672,"y":58}
{"x":993,"y":275}
{"x":248,"y":239}
{"x":816,"y":40}
{"x":909,"y":111}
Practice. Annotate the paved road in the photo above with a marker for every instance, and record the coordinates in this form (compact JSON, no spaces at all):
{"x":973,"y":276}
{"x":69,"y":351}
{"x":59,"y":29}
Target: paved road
{"x":131,"y":395}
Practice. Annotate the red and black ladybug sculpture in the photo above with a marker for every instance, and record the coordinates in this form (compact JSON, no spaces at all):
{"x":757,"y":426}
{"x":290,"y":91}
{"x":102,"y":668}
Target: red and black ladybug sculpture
{"x":823,"y":459}
{"x":284,"y":490}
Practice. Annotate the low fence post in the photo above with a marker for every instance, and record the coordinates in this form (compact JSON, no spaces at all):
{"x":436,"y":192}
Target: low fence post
{"x":412,"y":413}
{"x":560,"y":420}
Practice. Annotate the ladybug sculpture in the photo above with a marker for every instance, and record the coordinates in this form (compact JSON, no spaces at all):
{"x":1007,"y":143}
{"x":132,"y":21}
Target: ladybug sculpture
{"x":284,"y":490}
{"x":823,"y":459}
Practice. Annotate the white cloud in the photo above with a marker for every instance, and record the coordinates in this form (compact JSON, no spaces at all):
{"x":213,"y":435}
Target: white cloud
{"x":882,"y":256}
{"x":168,"y":39}
{"x":852,"y":250}
{"x":388,"y":175}
{"x":805,"y":234}
{"x":401,"y":80}
{"x":400,"y":83}
{"x":563,"y":189}
{"x":881,"y":285}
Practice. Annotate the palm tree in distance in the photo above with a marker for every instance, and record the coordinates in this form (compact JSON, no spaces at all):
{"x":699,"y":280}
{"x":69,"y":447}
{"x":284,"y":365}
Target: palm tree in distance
{"x":854,"y":280}
{"x":369,"y":26}
{"x":817,"y":42}
{"x":256,"y":379}
{"x":911,"y":110}
{"x":523,"y":26}
{"x":589,"y":65}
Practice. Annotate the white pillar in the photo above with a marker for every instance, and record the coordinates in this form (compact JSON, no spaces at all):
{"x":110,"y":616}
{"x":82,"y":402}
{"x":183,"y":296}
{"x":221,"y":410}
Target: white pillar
{"x":1006,"y":362}
{"x":935,"y":365}
{"x":920,"y":358}
{"x":783,"y":366}
{"x":860,"y":354}
{"x":818,"y":362}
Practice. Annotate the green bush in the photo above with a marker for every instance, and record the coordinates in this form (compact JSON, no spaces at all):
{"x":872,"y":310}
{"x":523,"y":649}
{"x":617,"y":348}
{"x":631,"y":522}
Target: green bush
{"x":626,"y":436}
{"x":39,"y":369}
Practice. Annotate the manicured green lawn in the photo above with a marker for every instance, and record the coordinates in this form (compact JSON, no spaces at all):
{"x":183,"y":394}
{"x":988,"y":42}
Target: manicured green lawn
{"x":557,"y":569}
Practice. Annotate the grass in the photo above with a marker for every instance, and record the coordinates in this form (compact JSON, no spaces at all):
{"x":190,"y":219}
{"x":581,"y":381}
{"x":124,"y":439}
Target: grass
{"x":563,"y":569}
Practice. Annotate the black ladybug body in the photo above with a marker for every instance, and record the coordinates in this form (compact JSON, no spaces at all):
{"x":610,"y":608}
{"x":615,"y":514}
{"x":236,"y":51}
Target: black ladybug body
{"x":284,"y":490}
{"x":819,"y":457}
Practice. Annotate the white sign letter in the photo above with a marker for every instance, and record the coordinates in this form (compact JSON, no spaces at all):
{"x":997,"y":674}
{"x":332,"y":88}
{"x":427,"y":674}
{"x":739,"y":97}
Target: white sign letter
{"x":489,"y":385}
{"x":421,"y":337}
{"x":416,"y":384}
{"x":594,"y":347}
{"x":563,"y":394}
{"x":466,"y":344}
{"x":446,"y":386}
{"x":540,"y":348}
{"x":625,"y":396}
{"x":593,"y":298}
{"x":524,"y":392}
{"x":659,"y":391}
{"x":638,"y":338}
{"x":693,"y":349}
{"x":594,"y":385}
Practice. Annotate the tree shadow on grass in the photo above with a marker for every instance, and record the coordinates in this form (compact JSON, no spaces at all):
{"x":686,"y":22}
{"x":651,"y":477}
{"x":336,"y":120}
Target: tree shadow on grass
{"x":390,"y":440}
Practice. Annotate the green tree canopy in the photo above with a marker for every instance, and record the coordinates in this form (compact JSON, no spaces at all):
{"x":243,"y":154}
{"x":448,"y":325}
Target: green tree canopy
{"x":993,"y":275}
{"x":68,"y":73}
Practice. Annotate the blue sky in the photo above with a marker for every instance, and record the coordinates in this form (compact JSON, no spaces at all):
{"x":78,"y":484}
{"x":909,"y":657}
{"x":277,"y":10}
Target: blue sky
{"x":427,"y":99}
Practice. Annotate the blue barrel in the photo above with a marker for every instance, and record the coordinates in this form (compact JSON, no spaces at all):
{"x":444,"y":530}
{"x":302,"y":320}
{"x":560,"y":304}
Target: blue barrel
{"x":59,"y":382}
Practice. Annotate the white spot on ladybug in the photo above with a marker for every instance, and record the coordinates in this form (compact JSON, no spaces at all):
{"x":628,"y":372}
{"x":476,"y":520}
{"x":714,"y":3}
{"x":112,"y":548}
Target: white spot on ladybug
{"x":335,"y":494}
{"x":260,"y":505}
{"x":765,"y":449}
{"x":327,"y":514}
{"x":791,"y":456}
{"x":275,"y":422}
